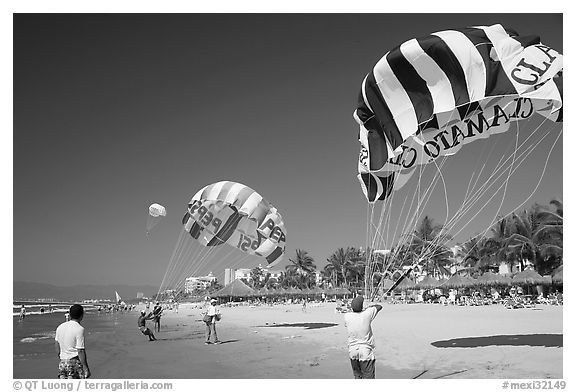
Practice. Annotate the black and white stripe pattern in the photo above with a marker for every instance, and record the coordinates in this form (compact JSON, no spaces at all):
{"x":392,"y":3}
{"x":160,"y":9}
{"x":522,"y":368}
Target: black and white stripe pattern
{"x":447,"y":70}
{"x":243,"y":212}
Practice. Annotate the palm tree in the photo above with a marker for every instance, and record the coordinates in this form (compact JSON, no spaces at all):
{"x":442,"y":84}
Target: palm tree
{"x":338,"y":265}
{"x":256,"y":275}
{"x":550,"y":232}
{"x":536,"y":240}
{"x":429,"y":242}
{"x":303,"y":263}
{"x":300,"y":272}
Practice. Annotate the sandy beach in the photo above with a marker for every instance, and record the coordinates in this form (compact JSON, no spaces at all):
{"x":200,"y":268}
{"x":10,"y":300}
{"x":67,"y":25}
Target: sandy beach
{"x":415,"y":340}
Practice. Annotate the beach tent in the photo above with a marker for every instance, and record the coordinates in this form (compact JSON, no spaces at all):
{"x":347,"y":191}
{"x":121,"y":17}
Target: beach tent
{"x":235,"y":289}
{"x":429,"y":282}
{"x":406,"y":284}
{"x":557,"y":275}
{"x":489,"y":279}
{"x":295,"y":291}
{"x":528,"y":277}
{"x":457,"y":282}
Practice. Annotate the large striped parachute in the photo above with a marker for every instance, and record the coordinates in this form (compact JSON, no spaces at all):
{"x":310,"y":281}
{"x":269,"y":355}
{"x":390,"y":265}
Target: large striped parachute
{"x":430,"y":96}
{"x":231,"y":213}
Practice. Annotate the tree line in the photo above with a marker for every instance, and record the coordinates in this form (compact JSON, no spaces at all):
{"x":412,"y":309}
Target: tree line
{"x":531,"y":236}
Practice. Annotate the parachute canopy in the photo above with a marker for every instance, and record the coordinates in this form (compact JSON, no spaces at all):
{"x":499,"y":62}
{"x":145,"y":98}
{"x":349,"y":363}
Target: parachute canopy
{"x":431,"y":95}
{"x":157,"y":210}
{"x":232,"y":213}
{"x":155,"y":213}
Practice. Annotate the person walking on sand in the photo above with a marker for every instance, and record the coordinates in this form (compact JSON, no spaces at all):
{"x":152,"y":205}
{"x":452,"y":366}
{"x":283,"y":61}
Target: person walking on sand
{"x":22,"y":312}
{"x":157,"y":314}
{"x":360,"y":338}
{"x":142,"y":325}
{"x":69,"y":343}
{"x":210,"y":318}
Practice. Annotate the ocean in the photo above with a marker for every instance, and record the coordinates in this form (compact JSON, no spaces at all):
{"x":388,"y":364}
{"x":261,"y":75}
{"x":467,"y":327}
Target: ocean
{"x":33,"y":337}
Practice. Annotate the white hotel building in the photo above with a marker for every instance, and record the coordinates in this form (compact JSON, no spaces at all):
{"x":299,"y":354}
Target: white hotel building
{"x":198,"y":282}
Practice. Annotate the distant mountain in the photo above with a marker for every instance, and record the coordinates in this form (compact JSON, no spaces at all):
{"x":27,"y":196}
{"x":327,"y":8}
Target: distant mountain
{"x":32,"y":290}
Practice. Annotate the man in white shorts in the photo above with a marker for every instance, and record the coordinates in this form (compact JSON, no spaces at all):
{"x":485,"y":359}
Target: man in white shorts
{"x":70,"y":346}
{"x":360,"y":338}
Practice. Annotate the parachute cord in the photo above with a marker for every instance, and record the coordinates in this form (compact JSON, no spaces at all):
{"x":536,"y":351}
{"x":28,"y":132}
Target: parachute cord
{"x":540,"y":178}
{"x":463,"y":209}
{"x":182,"y":231}
{"x":493,"y":177}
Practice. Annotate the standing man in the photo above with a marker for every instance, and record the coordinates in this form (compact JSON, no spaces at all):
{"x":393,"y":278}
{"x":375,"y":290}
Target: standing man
{"x":360,"y":338}
{"x":70,"y":346}
{"x":157,"y":314}
{"x":212,"y":315}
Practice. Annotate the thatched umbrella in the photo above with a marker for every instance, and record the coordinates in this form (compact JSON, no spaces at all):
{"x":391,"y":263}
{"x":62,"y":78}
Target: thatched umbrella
{"x":557,"y":275}
{"x":406,"y":284}
{"x":489,"y":279}
{"x":528,"y":278}
{"x":457,"y":282}
{"x":294,"y":291}
{"x":342,"y":291}
{"x":386,"y":283}
{"x":234,"y":289}
{"x":429,"y":282}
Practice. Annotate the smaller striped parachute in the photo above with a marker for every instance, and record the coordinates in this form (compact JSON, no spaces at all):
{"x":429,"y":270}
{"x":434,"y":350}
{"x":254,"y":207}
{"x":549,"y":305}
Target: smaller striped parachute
{"x":155,"y":213}
{"x":232,"y":213}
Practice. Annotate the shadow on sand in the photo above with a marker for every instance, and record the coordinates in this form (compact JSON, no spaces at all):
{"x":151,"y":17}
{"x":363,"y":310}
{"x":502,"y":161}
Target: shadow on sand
{"x":543,"y":340}
{"x":302,"y":325}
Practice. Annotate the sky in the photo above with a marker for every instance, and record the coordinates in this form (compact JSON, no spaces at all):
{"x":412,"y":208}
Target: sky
{"x":113,"y":112}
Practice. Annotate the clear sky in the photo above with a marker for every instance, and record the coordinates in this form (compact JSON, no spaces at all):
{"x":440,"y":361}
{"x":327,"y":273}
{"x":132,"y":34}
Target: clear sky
{"x":115,"y":112}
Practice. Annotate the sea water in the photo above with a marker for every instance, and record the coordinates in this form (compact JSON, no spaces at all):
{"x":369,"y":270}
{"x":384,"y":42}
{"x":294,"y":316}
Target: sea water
{"x":34,"y":336}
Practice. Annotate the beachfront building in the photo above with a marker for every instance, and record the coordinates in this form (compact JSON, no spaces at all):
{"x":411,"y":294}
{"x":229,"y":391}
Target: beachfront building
{"x":246,"y":273}
{"x":273,"y":273}
{"x":229,"y":276}
{"x":242,"y":273}
{"x":195,"y":283}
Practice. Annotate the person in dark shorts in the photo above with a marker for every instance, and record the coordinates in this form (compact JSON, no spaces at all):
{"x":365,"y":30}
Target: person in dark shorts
{"x":69,"y":343}
{"x":212,"y":315}
{"x":360,"y":338}
{"x":157,"y":314}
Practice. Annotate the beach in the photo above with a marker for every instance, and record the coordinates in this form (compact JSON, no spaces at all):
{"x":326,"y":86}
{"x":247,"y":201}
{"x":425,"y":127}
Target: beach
{"x":412,"y":340}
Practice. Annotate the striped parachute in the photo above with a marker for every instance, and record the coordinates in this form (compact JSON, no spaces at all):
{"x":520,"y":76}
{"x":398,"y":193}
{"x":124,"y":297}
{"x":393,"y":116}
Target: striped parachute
{"x":430,"y":96}
{"x":431,"y":101}
{"x":232,"y":213}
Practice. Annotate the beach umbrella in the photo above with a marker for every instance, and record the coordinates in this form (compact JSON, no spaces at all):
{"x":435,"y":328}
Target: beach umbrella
{"x":406,"y":284}
{"x":236,"y":288}
{"x":489,"y":279}
{"x":294,"y":291}
{"x":343,"y":291}
{"x":457,"y":282}
{"x":528,"y":277}
{"x":386,"y":283}
{"x":306,"y":291}
{"x":557,"y":275}
{"x":429,"y":282}
{"x":331,"y":291}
